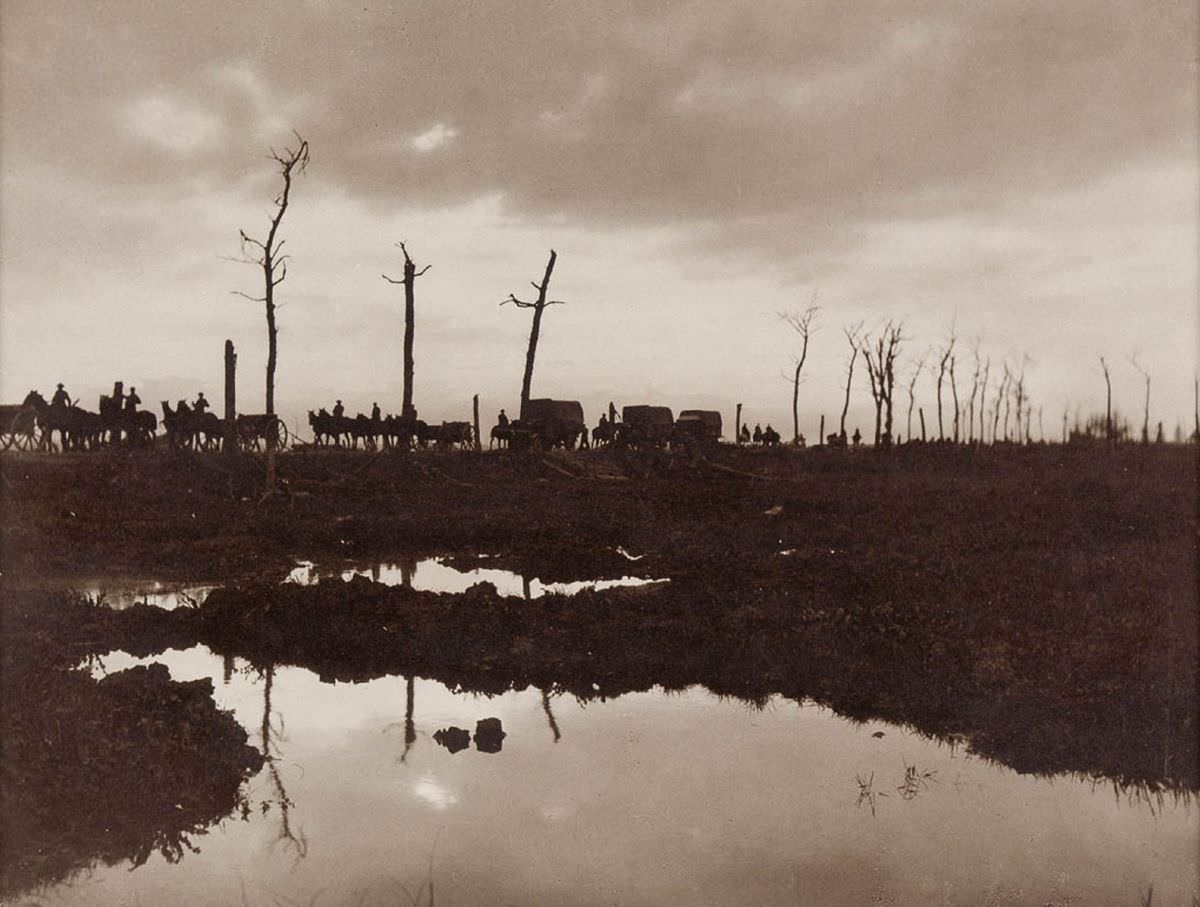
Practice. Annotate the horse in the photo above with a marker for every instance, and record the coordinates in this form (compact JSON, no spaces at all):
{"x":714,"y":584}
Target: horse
{"x":604,"y":433}
{"x":326,"y":427}
{"x":501,"y":434}
{"x":77,"y":428}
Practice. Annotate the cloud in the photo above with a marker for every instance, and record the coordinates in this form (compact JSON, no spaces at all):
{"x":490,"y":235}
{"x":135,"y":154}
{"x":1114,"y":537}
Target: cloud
{"x":433,"y":138}
{"x":171,"y":124}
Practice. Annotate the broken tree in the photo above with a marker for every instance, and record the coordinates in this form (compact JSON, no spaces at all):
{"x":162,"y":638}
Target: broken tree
{"x":538,"y":307}
{"x":407,"y":413}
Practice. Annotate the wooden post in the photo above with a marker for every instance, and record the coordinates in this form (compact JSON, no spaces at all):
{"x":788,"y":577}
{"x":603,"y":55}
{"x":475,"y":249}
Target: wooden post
{"x":737,"y":425}
{"x":230,"y":442}
{"x":921,"y":413}
{"x":475,"y":408}
{"x":821,"y":436}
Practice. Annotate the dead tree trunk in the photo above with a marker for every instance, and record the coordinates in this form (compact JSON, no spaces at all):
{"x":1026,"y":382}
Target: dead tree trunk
{"x":1146,"y":411}
{"x":268,"y":255}
{"x":737,"y":425}
{"x":851,"y":333}
{"x":1108,"y":425}
{"x":538,"y":307}
{"x":407,"y":412}
{"x":801,"y":323}
{"x":230,"y":440}
{"x":475,"y":414}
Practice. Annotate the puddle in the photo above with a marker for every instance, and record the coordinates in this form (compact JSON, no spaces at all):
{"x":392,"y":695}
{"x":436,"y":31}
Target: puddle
{"x":380,"y":788}
{"x":121,"y":592}
{"x":432,"y":575}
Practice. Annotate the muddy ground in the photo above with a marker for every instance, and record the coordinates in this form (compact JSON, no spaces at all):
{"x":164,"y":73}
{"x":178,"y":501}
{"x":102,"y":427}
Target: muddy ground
{"x":1038,"y":603}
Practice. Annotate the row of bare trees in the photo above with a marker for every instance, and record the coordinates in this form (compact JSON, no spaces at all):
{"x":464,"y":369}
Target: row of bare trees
{"x":998,"y":409}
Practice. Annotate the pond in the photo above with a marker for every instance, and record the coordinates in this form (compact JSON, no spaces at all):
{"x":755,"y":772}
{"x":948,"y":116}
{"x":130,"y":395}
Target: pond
{"x":369,"y":798}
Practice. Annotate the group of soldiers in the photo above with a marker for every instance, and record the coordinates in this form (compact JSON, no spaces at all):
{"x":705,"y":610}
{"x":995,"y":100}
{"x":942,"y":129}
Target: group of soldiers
{"x":125,"y":403}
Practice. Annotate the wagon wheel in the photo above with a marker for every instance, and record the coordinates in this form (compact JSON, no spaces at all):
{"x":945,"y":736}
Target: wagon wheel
{"x":279,"y":430}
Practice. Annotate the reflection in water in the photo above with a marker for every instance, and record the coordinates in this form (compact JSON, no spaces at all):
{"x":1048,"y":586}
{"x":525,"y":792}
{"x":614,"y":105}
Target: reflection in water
{"x":434,"y":575}
{"x":112,"y":771}
{"x":455,"y":739}
{"x":293,"y":841}
{"x":776,"y":819}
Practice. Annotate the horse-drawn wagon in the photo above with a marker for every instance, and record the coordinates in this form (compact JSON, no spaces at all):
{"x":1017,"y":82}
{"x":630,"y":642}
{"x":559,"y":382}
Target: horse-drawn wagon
{"x":18,"y":427}
{"x":698,"y":429}
{"x":645,"y":426}
{"x":548,"y":423}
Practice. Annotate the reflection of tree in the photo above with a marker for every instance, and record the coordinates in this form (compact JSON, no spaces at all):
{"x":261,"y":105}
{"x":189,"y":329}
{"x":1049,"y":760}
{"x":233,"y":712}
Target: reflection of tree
{"x":410,"y":730}
{"x":296,"y":842}
{"x":550,"y":716}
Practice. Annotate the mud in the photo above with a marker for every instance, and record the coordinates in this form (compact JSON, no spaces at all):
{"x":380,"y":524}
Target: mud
{"x":1037,"y":603}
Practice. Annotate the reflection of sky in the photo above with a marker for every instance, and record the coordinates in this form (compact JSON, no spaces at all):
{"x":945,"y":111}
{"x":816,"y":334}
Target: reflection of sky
{"x":431,"y":575}
{"x":651,"y":798}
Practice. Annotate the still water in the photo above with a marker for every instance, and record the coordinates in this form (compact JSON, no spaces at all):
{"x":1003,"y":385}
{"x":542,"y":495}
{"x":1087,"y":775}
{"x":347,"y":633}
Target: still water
{"x":651,"y":798}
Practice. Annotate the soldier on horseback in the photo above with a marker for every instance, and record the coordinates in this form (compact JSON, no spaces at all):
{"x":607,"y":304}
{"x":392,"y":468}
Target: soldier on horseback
{"x":200,"y":407}
{"x":502,"y":419}
{"x":60,"y":399}
{"x":339,"y":410}
{"x":131,"y":401}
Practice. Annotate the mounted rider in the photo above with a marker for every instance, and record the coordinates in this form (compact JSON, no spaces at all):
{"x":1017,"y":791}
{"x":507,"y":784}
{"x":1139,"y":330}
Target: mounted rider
{"x":131,"y":401}
{"x":339,"y":410}
{"x":201,"y":405}
{"x":502,"y":419}
{"x":376,"y":415}
{"x":61,"y":399}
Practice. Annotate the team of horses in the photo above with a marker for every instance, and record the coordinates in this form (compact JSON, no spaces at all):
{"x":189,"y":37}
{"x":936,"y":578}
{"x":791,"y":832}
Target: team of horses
{"x":385,"y":431}
{"x":78,"y":428}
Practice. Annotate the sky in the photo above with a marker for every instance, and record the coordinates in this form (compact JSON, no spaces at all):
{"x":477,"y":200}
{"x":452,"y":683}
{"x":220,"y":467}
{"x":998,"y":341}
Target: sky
{"x":1020,"y":175}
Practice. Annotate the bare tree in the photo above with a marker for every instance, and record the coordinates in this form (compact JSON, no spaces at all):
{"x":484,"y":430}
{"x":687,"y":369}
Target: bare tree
{"x":1001,"y":402}
{"x":954,"y":397}
{"x":1108,"y":423}
{"x":852,"y":334}
{"x":407,"y":413}
{"x":947,"y":359}
{"x":974,"y":393}
{"x":538,"y":307}
{"x":983,"y":384}
{"x":269,"y":256}
{"x":1133,"y":360}
{"x":881,"y":369}
{"x":802,"y":324}
{"x":912,"y":384}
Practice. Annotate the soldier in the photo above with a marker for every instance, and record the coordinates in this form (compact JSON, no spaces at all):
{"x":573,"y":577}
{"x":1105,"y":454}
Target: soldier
{"x":339,"y":410}
{"x":376,"y":415}
{"x":201,"y":405}
{"x":60,"y":399}
{"x":502,"y":419}
{"x":857,"y":437}
{"x":132,"y":400}
{"x":758,"y":433}
{"x":745,"y":435}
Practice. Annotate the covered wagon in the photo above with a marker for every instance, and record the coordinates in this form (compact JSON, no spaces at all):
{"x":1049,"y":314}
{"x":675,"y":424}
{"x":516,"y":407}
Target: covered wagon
{"x":644,"y":425}
{"x":549,"y":423}
{"x":697,"y":428}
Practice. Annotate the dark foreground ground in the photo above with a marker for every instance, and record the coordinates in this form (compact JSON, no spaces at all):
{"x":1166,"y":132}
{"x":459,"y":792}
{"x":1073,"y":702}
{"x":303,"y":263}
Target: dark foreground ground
{"x":1039,"y":604}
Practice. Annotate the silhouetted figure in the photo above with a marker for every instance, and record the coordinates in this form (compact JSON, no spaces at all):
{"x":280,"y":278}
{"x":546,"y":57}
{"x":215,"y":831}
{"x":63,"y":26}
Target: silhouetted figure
{"x":770,"y":437}
{"x":60,"y":398}
{"x":758,"y":434}
{"x":201,"y":405}
{"x":744,"y":437}
{"x":489,"y":735}
{"x":339,"y":410}
{"x":801,"y":442}
{"x":132,"y":400}
{"x":453,"y":738}
{"x":182,"y":409}
{"x":118,"y":396}
{"x":502,"y":419}
{"x":856,"y":437}
{"x":376,"y":415}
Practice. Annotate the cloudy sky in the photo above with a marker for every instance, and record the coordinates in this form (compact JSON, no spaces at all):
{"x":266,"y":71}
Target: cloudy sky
{"x":1022,"y":173}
